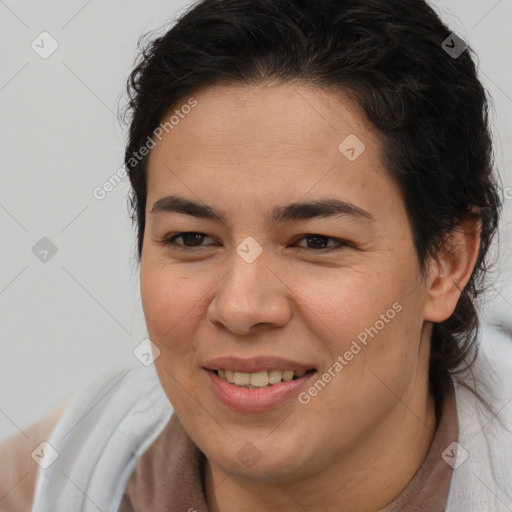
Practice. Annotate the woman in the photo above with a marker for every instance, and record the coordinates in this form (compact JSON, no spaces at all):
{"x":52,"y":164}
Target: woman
{"x":314,"y":194}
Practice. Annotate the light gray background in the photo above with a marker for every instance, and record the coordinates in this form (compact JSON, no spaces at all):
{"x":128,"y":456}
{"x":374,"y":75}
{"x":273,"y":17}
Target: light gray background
{"x":64,"y":321}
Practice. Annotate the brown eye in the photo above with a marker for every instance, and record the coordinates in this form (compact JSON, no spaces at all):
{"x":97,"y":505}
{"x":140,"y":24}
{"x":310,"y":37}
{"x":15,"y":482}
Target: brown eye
{"x":190,"y":239}
{"x":320,"y":242}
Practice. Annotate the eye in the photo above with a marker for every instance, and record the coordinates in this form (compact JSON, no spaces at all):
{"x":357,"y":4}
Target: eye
{"x":192,"y":237}
{"x":319,"y":242}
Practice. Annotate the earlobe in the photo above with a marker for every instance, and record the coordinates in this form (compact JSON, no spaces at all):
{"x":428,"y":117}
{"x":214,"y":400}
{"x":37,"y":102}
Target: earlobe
{"x":452,"y":269}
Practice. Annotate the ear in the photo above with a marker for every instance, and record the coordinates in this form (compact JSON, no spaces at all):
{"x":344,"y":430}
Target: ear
{"x":450,"y":271}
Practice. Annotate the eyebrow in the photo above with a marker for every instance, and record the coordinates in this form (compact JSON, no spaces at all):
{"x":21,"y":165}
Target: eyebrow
{"x":291,"y":212}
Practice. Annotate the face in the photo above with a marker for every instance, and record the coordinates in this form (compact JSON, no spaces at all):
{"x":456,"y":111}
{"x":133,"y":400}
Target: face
{"x":333,"y":288}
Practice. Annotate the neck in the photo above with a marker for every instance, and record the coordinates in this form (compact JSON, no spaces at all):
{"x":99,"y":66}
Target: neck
{"x":366,"y":479}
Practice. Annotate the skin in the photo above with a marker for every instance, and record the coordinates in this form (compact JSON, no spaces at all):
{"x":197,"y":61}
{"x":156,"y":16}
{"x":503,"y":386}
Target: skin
{"x":245,"y":150}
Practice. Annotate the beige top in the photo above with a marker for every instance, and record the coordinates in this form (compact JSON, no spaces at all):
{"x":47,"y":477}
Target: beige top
{"x":169,"y":475}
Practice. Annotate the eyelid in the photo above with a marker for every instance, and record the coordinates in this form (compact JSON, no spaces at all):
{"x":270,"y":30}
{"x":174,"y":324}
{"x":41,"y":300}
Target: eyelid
{"x":339,"y":241}
{"x":169,"y":240}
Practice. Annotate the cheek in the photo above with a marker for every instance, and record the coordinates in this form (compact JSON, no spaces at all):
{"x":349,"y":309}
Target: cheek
{"x":370,"y":316}
{"x":172,"y":305}
{"x":347,"y":302}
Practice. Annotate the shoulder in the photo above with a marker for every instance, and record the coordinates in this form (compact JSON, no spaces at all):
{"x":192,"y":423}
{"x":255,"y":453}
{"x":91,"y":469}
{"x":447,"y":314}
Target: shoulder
{"x":482,"y":475}
{"x":18,"y":471}
{"x":93,"y":448}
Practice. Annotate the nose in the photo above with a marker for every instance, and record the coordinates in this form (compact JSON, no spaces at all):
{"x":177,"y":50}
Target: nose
{"x":250,"y":297}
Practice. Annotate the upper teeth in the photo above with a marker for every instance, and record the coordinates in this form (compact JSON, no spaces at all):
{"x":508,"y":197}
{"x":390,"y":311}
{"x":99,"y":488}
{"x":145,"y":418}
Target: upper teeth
{"x":258,"y":379}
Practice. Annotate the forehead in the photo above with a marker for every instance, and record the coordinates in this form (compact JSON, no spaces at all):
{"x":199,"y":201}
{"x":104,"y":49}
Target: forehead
{"x":266,"y":140}
{"x":275,"y":116}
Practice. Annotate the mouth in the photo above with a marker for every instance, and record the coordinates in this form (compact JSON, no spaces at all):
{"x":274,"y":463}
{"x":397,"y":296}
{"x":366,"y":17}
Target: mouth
{"x":274,"y":388}
{"x":261,"y":379}
{"x":257,"y":384}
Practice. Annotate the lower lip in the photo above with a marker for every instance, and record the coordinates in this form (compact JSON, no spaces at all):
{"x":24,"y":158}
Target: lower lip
{"x":256,"y":400}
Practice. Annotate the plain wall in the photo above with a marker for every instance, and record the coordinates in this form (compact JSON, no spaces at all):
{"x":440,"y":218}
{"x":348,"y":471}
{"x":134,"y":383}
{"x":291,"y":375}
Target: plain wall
{"x":70,"y":318}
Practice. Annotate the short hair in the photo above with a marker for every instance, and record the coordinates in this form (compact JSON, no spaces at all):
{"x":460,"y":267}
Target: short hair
{"x":427,"y":106}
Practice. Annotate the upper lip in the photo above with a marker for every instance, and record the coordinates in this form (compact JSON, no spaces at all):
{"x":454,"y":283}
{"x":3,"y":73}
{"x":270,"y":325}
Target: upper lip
{"x":256,"y":364}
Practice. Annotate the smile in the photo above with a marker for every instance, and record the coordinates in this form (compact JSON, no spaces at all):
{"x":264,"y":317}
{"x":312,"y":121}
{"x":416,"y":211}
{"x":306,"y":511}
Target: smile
{"x":261,"y":379}
{"x":268,"y":394}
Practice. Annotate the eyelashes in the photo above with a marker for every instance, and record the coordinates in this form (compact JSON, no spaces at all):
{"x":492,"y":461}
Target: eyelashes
{"x":197,"y":237}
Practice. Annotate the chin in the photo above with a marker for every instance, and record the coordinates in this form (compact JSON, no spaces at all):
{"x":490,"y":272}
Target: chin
{"x":264,"y":464}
